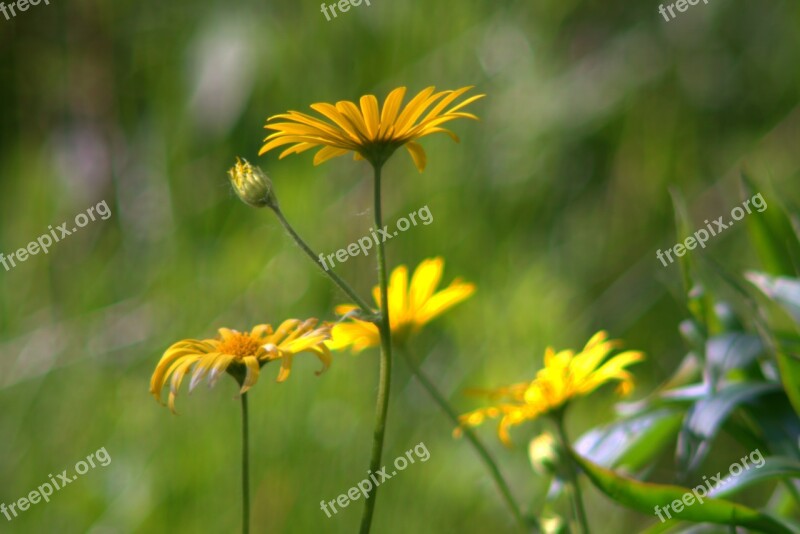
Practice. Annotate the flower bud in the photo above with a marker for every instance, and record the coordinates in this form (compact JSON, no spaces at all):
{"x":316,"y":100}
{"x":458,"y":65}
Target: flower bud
{"x":252,"y":185}
{"x":543,"y":452}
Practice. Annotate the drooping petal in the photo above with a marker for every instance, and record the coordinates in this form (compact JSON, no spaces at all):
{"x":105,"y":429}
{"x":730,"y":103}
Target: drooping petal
{"x":286,"y":367}
{"x":327,"y":153}
{"x":202,"y":368}
{"x":175,"y":352}
{"x":251,"y":376}
{"x":417,"y":154}
{"x":219,"y":367}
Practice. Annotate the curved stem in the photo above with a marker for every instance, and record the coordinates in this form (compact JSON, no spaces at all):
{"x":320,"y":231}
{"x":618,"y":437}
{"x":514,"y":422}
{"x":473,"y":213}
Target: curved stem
{"x":491,"y":465}
{"x":314,"y":258}
{"x":245,"y":468}
{"x":572,"y":468}
{"x":382,"y":402}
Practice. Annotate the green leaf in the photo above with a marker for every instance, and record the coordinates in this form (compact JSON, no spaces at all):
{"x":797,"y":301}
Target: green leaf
{"x":786,"y":293}
{"x":790,"y":376}
{"x":707,"y":415}
{"x":647,"y":497}
{"x":682,"y":229}
{"x":733,"y":350}
{"x":777,"y":423}
{"x":772,"y":234}
{"x":772,"y":468}
{"x":632,"y":442}
{"x":782,"y":290}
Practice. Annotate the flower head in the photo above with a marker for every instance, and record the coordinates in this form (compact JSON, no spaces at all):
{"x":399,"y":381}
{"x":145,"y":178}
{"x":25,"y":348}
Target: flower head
{"x":241,"y":354}
{"x":565,"y":376}
{"x":252,"y":185}
{"x":410,"y":308}
{"x":370,"y":133}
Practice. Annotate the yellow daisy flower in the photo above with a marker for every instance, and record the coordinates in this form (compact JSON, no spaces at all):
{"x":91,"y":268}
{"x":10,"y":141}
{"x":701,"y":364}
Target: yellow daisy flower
{"x":370,"y":133}
{"x":241,"y":354}
{"x":565,"y":376}
{"x":410,"y":308}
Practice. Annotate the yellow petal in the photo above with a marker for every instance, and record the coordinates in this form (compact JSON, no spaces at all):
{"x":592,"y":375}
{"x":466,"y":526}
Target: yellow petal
{"x":416,"y":107}
{"x":443,"y":300}
{"x":253,"y":370}
{"x":201,"y":369}
{"x":369,"y":110}
{"x":327,"y":153}
{"x":175,"y":352}
{"x":261,"y":330}
{"x":354,"y":117}
{"x":398,"y":294}
{"x":391,"y":106}
{"x":286,"y":368}
{"x":285,"y":327}
{"x":219,"y":366}
{"x":417,"y":154}
{"x":344,"y":309}
{"x":358,"y":335}
{"x":331,"y":112}
{"x":424,"y":282}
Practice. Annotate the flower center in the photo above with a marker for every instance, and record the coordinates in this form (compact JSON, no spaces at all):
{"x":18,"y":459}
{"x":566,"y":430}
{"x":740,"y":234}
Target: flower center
{"x":240,"y":345}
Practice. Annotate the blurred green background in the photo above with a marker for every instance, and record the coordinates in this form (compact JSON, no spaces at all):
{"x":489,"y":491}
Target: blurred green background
{"x":554,"y":205}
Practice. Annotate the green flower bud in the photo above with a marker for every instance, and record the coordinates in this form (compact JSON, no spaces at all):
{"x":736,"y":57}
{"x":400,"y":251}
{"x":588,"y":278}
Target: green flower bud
{"x":252,"y":185}
{"x":544,"y":454}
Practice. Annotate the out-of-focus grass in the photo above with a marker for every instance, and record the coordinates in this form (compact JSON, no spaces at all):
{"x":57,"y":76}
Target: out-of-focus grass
{"x":554,"y":204}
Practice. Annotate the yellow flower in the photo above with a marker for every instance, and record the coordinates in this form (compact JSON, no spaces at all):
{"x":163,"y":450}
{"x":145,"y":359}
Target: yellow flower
{"x":370,"y":133}
{"x":241,"y":354}
{"x":409,"y":308}
{"x":565,"y":376}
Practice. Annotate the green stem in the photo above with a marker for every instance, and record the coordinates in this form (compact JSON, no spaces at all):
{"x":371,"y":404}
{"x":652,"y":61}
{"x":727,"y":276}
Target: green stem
{"x":572,"y":470}
{"x":382,"y":402}
{"x":315,"y":258}
{"x":245,"y":468}
{"x":491,"y":465}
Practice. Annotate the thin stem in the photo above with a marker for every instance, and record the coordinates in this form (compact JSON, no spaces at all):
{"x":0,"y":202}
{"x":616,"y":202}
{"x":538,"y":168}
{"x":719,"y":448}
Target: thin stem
{"x":382,"y":402}
{"x":315,"y":258}
{"x":245,"y":468}
{"x":491,"y":465}
{"x":572,"y":468}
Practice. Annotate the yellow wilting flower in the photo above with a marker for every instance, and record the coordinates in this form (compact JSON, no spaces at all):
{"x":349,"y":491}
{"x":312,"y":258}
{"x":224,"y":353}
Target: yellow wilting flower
{"x":565,"y":376}
{"x":370,"y":133}
{"x":410,"y":308}
{"x":241,"y":354}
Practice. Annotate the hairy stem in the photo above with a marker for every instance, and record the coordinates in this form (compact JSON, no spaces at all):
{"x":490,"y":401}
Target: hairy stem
{"x":473,"y":439}
{"x":315,"y":258}
{"x":245,"y":468}
{"x":382,"y":402}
